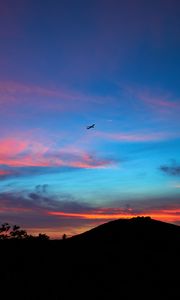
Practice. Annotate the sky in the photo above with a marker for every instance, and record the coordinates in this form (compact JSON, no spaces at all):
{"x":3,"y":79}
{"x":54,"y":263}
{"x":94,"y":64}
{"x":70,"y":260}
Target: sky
{"x":65,"y":65}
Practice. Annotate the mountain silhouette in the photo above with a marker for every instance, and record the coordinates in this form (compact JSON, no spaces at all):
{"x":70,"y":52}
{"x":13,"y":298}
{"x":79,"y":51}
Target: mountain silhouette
{"x":135,"y":229}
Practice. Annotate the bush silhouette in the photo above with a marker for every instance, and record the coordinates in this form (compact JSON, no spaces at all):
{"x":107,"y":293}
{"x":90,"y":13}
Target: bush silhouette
{"x":43,"y":237}
{"x":8,"y":232}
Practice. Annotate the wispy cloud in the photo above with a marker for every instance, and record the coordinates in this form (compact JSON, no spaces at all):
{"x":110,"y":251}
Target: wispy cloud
{"x":157,"y":101}
{"x":13,"y":93}
{"x":18,"y":88}
{"x":15,"y":152}
{"x":135,"y":137}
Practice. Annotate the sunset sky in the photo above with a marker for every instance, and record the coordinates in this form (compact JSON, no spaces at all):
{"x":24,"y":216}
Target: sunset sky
{"x":68,"y":64}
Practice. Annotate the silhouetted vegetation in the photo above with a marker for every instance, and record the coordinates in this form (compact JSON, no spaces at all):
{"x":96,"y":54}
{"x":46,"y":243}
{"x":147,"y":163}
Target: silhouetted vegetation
{"x":8,"y":232}
{"x":64,"y":237}
{"x":43,"y":236}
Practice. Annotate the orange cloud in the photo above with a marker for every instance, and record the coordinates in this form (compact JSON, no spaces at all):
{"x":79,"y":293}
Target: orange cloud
{"x":97,"y":219}
{"x":169,"y":215}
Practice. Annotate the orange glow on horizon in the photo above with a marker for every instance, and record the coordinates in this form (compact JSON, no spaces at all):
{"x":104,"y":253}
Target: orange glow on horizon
{"x":169,"y":215}
{"x":98,"y":219}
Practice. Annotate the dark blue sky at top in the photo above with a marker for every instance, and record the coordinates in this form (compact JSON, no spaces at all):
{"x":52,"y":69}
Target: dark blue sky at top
{"x":66,"y":64}
{"x":78,"y":42}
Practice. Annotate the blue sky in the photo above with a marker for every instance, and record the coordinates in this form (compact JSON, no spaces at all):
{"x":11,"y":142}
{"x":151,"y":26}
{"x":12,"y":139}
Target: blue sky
{"x":65,"y":65}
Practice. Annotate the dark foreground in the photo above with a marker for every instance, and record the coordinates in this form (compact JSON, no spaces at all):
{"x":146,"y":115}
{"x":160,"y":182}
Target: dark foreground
{"x":123,"y":259}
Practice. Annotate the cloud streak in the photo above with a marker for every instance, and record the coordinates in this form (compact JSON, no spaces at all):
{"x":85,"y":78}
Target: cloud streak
{"x":136,"y":137}
{"x":157,"y":101}
{"x":13,"y":93}
{"x":34,"y":210}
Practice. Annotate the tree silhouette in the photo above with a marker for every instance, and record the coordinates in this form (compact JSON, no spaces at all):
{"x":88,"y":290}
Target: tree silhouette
{"x":4,"y":231}
{"x":15,"y":232}
{"x":5,"y":227}
{"x":18,"y":233}
{"x":64,"y":236}
{"x":43,"y":237}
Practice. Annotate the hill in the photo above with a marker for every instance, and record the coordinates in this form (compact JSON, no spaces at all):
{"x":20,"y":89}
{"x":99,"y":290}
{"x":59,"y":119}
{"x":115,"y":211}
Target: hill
{"x":134,"y":229}
{"x":121,"y":259}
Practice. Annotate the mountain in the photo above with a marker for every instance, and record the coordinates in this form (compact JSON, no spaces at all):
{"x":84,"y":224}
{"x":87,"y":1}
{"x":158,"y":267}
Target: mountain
{"x":141,"y":242}
{"x":133,"y":230}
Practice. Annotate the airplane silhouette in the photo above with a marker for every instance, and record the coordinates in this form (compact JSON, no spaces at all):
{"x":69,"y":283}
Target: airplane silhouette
{"x":91,"y":126}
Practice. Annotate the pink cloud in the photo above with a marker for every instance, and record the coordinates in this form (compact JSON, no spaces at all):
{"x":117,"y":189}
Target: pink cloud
{"x":4,"y":173}
{"x":134,"y":137}
{"x":11,"y":144}
{"x":13,"y":210}
{"x":158,"y":101}
{"x":21,"y":153}
{"x":16,"y":153}
{"x":14,"y":88}
{"x":14,"y":93}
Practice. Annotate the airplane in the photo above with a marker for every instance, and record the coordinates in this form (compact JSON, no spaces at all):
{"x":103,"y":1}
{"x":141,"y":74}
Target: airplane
{"x":91,"y":126}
